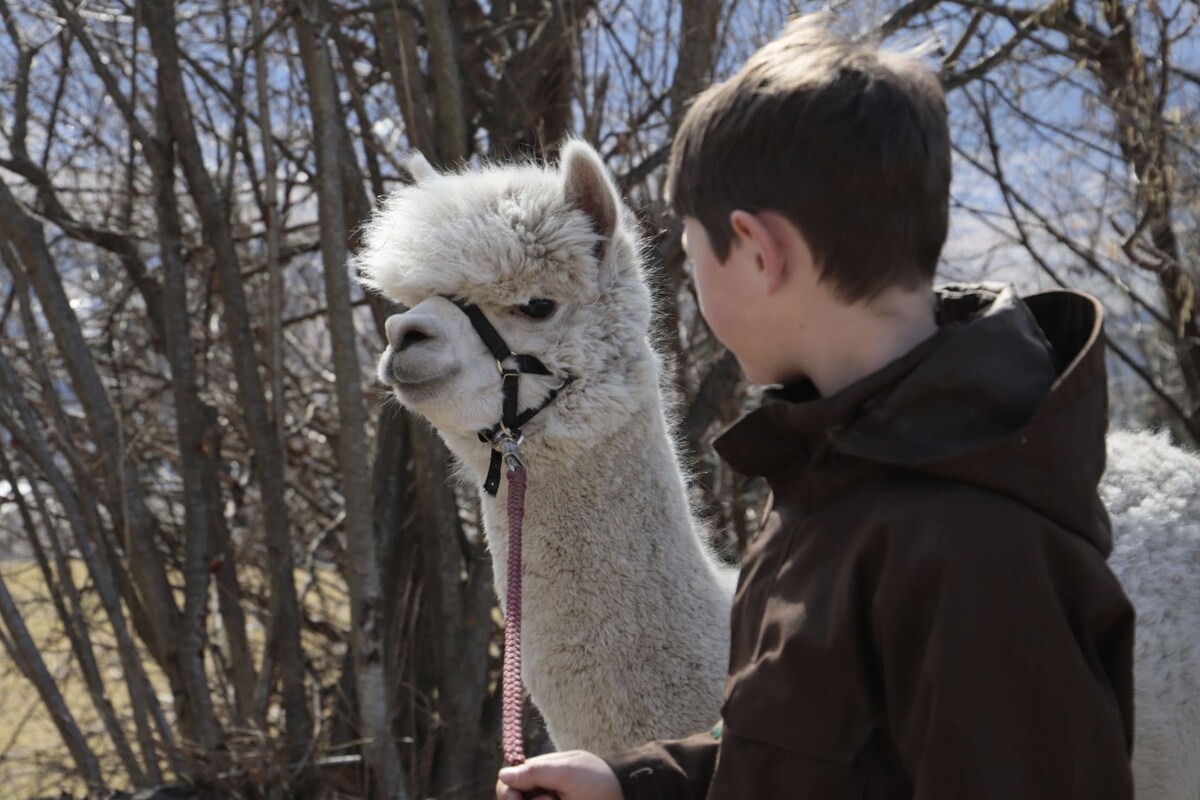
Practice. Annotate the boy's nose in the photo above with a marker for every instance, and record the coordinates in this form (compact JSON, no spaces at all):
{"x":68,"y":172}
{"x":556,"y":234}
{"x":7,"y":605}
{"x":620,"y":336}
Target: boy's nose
{"x":404,"y":331}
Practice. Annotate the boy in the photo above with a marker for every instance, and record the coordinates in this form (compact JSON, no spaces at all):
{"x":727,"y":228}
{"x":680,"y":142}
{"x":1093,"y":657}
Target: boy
{"x":927,"y":612}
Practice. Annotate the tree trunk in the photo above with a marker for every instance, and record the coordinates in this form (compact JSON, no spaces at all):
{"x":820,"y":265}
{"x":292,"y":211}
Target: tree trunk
{"x":450,"y":143}
{"x":397,"y":37}
{"x":160,"y":24}
{"x":189,"y":428}
{"x":366,"y":595}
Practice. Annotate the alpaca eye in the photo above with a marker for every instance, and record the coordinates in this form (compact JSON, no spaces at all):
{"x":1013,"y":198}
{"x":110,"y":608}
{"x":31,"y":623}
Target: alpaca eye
{"x":538,"y":308}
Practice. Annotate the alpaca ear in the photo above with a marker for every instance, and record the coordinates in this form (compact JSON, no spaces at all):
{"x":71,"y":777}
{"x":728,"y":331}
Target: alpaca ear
{"x":419,"y":167}
{"x":587,"y":186}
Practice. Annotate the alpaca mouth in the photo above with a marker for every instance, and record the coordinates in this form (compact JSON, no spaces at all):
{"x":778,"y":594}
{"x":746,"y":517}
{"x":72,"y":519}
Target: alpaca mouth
{"x":419,"y":387}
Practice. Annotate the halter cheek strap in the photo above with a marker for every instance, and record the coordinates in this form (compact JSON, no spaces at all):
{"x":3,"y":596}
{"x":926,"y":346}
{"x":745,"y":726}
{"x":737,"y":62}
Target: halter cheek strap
{"x":505,"y":435}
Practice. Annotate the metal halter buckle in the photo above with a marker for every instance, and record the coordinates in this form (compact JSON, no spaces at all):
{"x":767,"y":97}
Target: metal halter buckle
{"x":508,"y":444}
{"x":513,"y":456}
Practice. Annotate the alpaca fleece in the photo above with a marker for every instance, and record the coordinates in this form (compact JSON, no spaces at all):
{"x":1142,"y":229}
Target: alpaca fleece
{"x":625,"y":612}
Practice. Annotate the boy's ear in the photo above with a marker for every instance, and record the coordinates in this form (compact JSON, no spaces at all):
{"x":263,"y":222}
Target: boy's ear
{"x":587,"y":187}
{"x":767,"y":250}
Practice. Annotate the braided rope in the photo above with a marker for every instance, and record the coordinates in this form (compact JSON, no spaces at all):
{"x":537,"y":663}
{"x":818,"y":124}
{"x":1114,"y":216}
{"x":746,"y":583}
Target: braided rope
{"x":513,"y":744}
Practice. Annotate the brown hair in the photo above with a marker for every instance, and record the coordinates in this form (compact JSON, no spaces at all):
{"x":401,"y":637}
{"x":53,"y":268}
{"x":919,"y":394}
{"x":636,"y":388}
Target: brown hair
{"x":849,"y":143}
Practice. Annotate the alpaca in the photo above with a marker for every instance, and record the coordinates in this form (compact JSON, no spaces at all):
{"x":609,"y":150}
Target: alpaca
{"x":1152,"y":491}
{"x":625,"y":613}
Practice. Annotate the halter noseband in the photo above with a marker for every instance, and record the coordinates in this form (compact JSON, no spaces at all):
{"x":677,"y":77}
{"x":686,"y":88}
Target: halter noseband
{"x":505,"y":436}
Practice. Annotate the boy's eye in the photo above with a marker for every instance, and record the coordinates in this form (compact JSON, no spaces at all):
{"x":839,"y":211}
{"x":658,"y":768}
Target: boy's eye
{"x":537,"y":308}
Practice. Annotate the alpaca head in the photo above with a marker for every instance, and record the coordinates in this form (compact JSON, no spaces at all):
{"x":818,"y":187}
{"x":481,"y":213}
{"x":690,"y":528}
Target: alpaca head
{"x":551,"y":259}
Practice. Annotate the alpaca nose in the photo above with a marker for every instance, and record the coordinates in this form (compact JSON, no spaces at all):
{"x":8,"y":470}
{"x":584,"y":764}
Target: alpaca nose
{"x":403,"y":332}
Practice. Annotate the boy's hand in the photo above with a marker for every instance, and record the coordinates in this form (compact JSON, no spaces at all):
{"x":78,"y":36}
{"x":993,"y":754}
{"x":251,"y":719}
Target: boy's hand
{"x":574,"y":775}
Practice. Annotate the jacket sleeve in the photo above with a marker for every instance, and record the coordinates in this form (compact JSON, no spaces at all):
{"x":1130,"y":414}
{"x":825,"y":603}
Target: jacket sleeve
{"x":679,"y":769}
{"x":1006,"y":662}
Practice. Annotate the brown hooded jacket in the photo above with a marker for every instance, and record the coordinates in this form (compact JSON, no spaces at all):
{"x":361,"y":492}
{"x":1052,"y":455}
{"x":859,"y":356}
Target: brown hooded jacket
{"x":927,"y":612}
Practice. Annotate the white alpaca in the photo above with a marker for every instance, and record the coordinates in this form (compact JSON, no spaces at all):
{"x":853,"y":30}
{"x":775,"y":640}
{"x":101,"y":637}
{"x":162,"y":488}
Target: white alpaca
{"x":625,"y":613}
{"x":1152,"y":492}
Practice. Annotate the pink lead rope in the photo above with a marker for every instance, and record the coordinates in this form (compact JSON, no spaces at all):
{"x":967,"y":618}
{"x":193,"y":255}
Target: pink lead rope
{"x":511,"y":738}
{"x":512,"y":741}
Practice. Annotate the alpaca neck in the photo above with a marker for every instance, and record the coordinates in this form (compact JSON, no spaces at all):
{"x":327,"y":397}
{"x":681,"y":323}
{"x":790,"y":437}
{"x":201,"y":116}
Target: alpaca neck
{"x":619,"y":500}
{"x":619,"y":595}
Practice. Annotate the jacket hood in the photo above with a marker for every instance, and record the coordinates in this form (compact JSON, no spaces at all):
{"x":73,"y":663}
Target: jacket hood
{"x":1009,"y":395}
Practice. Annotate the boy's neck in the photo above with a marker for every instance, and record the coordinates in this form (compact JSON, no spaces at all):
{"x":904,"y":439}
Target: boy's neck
{"x":862,"y":338}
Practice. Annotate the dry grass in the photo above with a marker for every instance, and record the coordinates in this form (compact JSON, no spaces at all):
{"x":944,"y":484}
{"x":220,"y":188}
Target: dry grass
{"x":33,"y":760}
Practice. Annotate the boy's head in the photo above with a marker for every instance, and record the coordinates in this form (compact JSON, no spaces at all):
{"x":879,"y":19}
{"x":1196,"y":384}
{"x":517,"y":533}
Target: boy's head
{"x":845,"y":144}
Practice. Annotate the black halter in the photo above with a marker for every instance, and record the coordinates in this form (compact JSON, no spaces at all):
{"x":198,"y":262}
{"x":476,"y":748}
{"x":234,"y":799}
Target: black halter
{"x":512,"y":419}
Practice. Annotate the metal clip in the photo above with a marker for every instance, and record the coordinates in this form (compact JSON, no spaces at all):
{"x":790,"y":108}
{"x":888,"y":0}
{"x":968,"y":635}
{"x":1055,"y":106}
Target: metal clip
{"x":510,"y":448}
